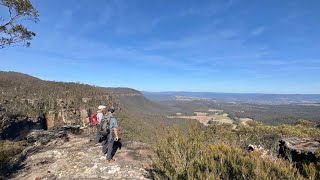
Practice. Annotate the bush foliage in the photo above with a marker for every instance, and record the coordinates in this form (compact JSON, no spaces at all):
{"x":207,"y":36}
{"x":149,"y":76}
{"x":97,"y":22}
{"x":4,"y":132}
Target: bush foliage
{"x":215,"y":153}
{"x":8,"y":150}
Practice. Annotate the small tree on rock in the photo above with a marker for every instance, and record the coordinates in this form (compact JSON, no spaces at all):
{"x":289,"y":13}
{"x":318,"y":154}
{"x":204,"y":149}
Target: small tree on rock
{"x":11,"y":29}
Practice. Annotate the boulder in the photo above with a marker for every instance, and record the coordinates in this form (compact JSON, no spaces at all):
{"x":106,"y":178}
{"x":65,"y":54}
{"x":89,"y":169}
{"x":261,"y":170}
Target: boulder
{"x":44,"y":137}
{"x":74,"y":129}
{"x":299,"y":149}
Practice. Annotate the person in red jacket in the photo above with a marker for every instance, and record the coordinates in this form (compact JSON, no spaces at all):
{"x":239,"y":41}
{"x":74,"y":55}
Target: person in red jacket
{"x":100,"y":115}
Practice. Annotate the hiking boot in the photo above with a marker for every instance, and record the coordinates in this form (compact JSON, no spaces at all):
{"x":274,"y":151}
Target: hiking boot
{"x":110,"y":161}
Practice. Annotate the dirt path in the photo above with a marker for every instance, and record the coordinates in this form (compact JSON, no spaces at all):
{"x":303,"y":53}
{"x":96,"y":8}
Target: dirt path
{"x":79,"y":159}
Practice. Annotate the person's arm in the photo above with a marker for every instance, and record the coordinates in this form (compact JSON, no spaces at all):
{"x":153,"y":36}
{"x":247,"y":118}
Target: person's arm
{"x":115,"y":128}
{"x":116,"y":134}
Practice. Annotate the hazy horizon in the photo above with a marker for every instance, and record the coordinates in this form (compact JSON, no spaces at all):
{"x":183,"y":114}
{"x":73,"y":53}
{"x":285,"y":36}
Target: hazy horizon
{"x":165,"y":91}
{"x":225,"y":92}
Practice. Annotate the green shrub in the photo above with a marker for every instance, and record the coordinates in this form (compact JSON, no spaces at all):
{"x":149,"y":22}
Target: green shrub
{"x":310,"y":171}
{"x":176,"y":152}
{"x":222,"y":133}
{"x":179,"y":155}
{"x":303,"y":122}
{"x":268,"y":136}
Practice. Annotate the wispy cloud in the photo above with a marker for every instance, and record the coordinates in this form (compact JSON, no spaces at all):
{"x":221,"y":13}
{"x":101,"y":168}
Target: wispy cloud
{"x":197,"y":40}
{"x":275,"y":62}
{"x":206,"y":8}
{"x":65,"y":20}
{"x":257,"y":31}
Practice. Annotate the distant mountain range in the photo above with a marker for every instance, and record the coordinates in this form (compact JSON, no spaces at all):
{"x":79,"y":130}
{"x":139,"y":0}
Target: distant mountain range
{"x":254,"y":98}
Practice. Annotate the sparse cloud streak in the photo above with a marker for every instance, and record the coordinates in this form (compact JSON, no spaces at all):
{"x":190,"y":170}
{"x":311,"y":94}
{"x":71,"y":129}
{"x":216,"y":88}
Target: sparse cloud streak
{"x":258,"y":31}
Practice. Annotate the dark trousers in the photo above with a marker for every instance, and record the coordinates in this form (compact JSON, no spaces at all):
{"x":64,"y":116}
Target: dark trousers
{"x":107,"y":145}
{"x":98,"y":134}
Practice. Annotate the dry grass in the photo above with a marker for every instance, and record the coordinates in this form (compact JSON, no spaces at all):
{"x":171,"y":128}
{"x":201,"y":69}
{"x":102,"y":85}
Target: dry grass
{"x":8,"y":150}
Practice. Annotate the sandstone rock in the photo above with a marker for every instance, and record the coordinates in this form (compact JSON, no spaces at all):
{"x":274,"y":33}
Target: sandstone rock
{"x":80,"y":159}
{"x":84,"y":117}
{"x":43,"y":136}
{"x":299,"y":149}
{"x":50,"y":119}
{"x":74,"y":129}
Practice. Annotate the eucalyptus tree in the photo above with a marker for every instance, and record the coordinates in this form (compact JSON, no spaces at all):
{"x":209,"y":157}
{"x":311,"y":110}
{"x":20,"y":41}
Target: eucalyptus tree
{"x":12,"y":30}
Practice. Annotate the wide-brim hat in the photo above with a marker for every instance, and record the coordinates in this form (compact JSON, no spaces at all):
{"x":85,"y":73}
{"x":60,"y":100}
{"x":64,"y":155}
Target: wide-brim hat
{"x":102,"y":107}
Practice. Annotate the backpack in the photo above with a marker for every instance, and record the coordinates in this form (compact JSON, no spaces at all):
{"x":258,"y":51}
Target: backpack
{"x":94,"y":118}
{"x":104,"y":126}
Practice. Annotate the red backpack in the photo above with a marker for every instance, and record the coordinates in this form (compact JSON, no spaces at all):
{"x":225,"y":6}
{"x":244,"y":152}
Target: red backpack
{"x":94,"y":118}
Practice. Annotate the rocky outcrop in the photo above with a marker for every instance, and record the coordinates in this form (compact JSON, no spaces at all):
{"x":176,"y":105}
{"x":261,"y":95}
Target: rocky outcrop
{"x":18,"y":129}
{"x":84,"y":117}
{"x":59,"y":112}
{"x":78,"y":158}
{"x":43,"y":137}
{"x":36,"y":140}
{"x":300,"y":149}
{"x":51,"y":116}
{"x":26,"y":97}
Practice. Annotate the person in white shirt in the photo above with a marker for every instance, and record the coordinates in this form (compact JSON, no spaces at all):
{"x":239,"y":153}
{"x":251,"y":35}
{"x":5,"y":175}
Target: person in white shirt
{"x":100,"y":115}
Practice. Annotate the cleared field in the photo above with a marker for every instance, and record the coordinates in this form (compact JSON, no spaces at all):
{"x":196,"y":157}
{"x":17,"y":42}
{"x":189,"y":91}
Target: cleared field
{"x":207,"y":118}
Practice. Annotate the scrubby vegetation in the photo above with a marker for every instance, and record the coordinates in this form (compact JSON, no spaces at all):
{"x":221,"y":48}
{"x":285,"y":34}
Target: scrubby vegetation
{"x":217,"y":152}
{"x":268,"y":136}
{"x":8,"y":150}
{"x":142,"y":127}
{"x":304,"y":122}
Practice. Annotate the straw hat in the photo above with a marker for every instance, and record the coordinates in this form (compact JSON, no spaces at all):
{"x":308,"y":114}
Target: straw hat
{"x":101,"y":107}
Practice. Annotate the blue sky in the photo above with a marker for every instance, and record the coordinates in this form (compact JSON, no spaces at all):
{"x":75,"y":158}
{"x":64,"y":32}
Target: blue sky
{"x":192,"y":45}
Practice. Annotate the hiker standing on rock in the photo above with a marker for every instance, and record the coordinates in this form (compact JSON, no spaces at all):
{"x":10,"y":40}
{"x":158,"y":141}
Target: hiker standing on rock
{"x":99,"y":116}
{"x":107,"y":144}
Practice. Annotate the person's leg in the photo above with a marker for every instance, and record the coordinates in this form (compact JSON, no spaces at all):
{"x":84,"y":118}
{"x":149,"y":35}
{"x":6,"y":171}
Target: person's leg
{"x":105,"y":146}
{"x":97,"y":134}
{"x":110,"y":146}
